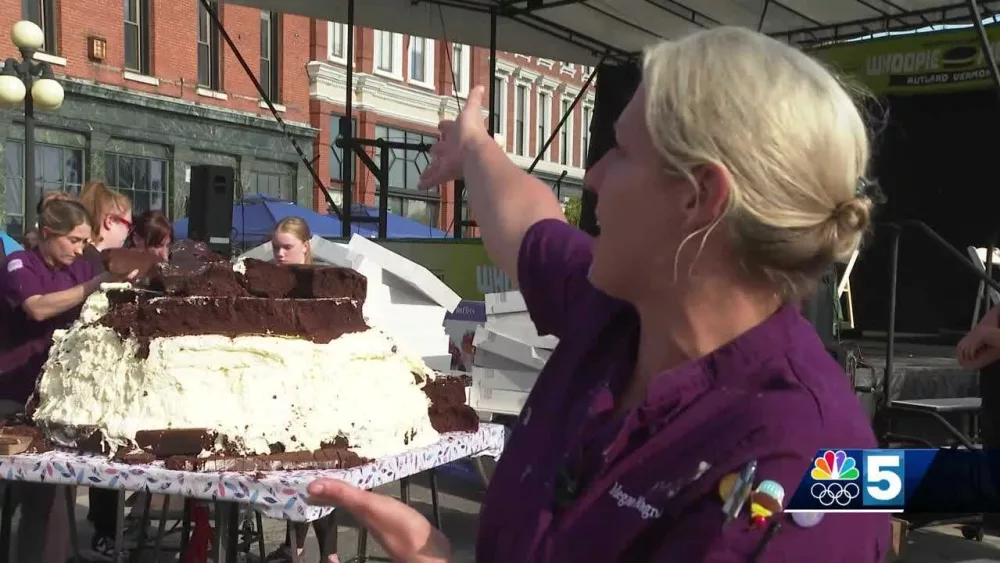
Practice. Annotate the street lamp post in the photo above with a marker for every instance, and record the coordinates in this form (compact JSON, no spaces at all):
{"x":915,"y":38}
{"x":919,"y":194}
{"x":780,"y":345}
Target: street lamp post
{"x":33,"y":83}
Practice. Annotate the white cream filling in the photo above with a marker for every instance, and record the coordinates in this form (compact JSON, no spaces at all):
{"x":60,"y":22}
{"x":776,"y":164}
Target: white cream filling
{"x":257,"y":390}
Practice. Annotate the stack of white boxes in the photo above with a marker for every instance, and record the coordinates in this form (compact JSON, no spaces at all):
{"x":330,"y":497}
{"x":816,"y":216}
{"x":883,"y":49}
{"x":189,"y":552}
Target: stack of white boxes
{"x":404,"y":299}
{"x":509,"y":356}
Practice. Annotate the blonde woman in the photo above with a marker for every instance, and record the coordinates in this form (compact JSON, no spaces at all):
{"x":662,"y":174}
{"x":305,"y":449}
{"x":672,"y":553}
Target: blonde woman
{"x":290,"y":241}
{"x":290,"y":245}
{"x":682,"y":356}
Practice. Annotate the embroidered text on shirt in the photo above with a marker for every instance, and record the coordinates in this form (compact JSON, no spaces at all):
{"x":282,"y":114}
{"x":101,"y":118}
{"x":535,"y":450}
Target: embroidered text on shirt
{"x":638,"y":503}
{"x":14,"y":265}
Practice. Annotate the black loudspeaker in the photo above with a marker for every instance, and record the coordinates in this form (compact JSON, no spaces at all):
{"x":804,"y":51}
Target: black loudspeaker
{"x":210,"y":209}
{"x":616,"y":83}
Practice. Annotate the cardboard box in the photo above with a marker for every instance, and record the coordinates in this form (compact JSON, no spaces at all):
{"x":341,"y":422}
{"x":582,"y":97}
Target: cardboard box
{"x":407,"y":271}
{"x":507,"y":302}
{"x":504,"y":379}
{"x":485,"y":400}
{"x":503,"y":345}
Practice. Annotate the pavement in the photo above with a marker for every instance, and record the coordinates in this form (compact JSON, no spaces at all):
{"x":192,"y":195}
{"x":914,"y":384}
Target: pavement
{"x":460,"y":502}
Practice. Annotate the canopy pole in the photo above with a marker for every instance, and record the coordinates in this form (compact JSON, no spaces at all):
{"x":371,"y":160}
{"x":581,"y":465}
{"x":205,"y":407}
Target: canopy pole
{"x":763,"y":16}
{"x":984,"y":43}
{"x":347,"y":124}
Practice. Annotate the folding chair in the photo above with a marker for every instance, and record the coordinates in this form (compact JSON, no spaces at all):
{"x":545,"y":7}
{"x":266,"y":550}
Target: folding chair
{"x":978,"y":258}
{"x":844,"y":288}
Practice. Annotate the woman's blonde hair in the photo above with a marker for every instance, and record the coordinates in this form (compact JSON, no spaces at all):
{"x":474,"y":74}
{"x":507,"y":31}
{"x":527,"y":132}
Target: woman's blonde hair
{"x":788,"y":134}
{"x":296,"y":226}
{"x":100,"y":202}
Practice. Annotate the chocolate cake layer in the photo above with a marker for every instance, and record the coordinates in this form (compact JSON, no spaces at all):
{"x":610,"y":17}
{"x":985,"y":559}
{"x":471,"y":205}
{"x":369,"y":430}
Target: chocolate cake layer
{"x":448,"y":411}
{"x":198,"y":280}
{"x":318,"y":320}
{"x":264,"y":279}
{"x":124,"y":261}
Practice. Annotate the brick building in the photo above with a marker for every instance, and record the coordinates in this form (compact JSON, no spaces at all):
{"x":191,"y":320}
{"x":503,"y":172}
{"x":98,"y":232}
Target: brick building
{"x":403,"y":86}
{"x":151,"y":89}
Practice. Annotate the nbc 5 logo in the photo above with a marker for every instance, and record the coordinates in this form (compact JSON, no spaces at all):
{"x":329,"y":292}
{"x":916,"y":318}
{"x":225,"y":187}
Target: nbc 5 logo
{"x":883,"y":478}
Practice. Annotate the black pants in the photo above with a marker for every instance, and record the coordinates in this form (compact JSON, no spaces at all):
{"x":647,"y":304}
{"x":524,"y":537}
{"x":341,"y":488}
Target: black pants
{"x":103,"y":511}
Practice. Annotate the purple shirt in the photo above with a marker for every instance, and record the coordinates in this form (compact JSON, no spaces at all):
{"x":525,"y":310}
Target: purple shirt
{"x":577,"y":483}
{"x":24,"y":343}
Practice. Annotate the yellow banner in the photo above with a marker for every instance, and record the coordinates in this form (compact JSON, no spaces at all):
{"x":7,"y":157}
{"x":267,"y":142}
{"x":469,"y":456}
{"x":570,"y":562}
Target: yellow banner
{"x":933,"y":62}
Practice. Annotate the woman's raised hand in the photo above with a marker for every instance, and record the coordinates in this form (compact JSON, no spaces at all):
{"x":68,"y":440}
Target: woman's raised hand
{"x":446,"y":154}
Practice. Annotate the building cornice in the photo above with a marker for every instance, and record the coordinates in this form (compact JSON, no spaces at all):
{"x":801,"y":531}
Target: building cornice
{"x":118,"y":95}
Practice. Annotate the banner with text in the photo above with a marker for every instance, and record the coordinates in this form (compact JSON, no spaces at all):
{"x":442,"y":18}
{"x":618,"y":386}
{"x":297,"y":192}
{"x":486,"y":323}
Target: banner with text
{"x":462,"y":264}
{"x":922,"y":63}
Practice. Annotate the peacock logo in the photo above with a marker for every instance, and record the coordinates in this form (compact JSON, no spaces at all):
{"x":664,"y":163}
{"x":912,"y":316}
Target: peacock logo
{"x":834,"y":466}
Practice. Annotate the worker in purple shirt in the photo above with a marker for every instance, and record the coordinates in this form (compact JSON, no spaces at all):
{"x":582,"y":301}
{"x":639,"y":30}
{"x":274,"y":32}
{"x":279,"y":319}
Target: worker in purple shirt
{"x":41,"y":291}
{"x":683,"y":360}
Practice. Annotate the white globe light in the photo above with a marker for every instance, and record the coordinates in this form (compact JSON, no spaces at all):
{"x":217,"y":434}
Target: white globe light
{"x":47,"y":94}
{"x":27,"y":35}
{"x":12,"y":91}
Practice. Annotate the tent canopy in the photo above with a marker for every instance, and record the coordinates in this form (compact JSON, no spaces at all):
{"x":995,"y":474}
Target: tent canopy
{"x":255,"y":216}
{"x":579,"y":31}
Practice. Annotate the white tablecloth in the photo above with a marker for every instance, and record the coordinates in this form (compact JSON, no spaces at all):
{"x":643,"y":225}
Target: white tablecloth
{"x":277,"y":494}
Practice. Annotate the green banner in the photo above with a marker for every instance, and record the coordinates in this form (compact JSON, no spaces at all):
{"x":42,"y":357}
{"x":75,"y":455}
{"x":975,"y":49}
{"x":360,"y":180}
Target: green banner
{"x":920,"y":63}
{"x":462,"y":264}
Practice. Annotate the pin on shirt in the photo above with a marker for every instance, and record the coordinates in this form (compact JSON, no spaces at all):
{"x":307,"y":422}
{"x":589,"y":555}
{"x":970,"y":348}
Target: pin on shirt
{"x":766,"y":501}
{"x":735,"y":488}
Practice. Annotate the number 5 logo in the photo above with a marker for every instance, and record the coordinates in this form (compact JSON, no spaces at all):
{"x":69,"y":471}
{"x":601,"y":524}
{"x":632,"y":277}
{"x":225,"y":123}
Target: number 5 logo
{"x":883,"y":474}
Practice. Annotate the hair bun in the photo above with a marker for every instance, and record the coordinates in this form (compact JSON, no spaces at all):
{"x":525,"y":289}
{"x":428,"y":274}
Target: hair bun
{"x":852,"y":216}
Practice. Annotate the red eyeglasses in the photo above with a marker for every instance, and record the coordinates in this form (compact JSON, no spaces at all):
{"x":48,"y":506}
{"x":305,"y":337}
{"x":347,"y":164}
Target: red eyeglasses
{"x":123,"y":221}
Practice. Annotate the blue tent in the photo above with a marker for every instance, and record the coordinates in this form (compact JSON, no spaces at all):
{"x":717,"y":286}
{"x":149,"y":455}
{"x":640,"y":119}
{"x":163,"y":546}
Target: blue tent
{"x":397,"y":226}
{"x":255,"y":216}
{"x":9,"y":245}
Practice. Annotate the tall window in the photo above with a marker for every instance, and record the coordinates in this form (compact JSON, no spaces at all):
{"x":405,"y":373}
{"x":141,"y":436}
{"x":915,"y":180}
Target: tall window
{"x":460,"y":67}
{"x":56,"y":169}
{"x":270,"y":46}
{"x":498,"y":105}
{"x":277,"y":186}
{"x":585,"y":136}
{"x":565,"y":136}
{"x":544,"y":120}
{"x":337,"y":42}
{"x":208,"y":48}
{"x":42,"y":12}
{"x":137,"y":36}
{"x":418,"y":59}
{"x":404,"y":171}
{"x":142,"y":179}
{"x":520,"y":113}
{"x":388,"y":53}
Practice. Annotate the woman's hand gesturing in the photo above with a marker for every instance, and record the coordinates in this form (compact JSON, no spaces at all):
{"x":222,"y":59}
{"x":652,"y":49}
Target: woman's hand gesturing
{"x":456,"y":136}
{"x":404,"y":534}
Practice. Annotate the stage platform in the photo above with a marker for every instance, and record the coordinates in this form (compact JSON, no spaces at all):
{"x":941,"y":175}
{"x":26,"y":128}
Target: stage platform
{"x":920,"y":371}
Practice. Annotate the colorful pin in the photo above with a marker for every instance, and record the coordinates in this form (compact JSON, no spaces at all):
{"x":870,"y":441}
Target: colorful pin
{"x":735,"y":489}
{"x":765,"y":502}
{"x":807,"y":519}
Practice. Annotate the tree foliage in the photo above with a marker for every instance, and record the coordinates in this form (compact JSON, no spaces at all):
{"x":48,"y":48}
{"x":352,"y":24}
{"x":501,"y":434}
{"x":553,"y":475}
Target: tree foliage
{"x":571,"y":208}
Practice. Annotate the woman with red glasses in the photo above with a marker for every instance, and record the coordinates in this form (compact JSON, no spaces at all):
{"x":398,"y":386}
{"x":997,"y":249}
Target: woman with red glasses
{"x":111,"y":222}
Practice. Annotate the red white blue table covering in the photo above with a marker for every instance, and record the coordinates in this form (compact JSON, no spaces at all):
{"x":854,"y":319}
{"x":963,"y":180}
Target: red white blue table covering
{"x":276,"y":494}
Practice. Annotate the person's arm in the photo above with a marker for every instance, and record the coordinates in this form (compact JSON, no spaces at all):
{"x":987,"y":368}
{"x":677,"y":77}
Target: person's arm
{"x":44,"y":307}
{"x":985,"y":357}
{"x":505,"y":200}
